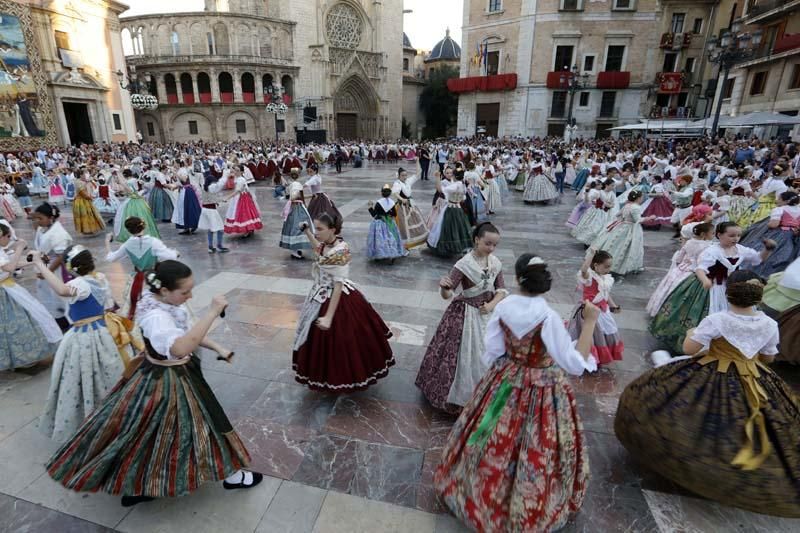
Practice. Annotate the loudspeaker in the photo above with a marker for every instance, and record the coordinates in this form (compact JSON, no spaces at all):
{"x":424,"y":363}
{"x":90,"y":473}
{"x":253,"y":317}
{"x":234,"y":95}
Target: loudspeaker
{"x":309,"y":114}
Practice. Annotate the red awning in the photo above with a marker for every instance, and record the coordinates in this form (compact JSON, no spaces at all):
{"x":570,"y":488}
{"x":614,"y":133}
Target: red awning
{"x":499,"y":82}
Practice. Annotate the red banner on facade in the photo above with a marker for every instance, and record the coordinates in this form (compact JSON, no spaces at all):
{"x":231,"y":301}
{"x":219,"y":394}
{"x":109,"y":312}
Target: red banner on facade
{"x":670,"y":82}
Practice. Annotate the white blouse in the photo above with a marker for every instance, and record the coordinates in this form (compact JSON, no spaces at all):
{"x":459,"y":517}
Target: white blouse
{"x":162,"y":324}
{"x":54,"y":239}
{"x":751,"y":335}
{"x":138,"y":246}
{"x":523,"y":313}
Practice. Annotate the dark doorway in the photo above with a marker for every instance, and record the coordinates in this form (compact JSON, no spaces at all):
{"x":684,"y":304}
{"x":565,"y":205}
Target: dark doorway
{"x":488,"y":119}
{"x":78,"y":125}
{"x":347,"y":125}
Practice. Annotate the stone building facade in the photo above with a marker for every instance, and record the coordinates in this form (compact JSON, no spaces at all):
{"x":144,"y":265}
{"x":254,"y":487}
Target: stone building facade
{"x":212,"y":70}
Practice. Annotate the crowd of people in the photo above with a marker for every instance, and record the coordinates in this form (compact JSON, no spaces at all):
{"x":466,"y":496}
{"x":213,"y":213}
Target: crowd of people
{"x":135,"y":417}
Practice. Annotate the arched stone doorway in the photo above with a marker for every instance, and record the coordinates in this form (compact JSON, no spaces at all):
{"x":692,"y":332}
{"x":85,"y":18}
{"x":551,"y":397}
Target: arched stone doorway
{"x":355,"y":109}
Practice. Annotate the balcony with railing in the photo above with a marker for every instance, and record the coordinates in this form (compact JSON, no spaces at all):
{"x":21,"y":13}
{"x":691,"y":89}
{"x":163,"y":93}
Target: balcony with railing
{"x":151,"y":60}
{"x":763,"y":11}
{"x":497,"y":82}
{"x":613,"y":80}
{"x":675,"y":41}
{"x":787,"y":42}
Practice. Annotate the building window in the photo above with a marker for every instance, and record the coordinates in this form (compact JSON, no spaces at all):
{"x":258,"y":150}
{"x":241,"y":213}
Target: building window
{"x":583,"y":101}
{"x":559,"y":104}
{"x":151,"y":129}
{"x":794,"y":82}
{"x":727,"y":89}
{"x":670,"y":62}
{"x":623,"y":5}
{"x":690,"y":61}
{"x":697,"y":27}
{"x":607,"y":103}
{"x":405,"y":64}
{"x":241,"y":126}
{"x":192,"y":127}
{"x":588,"y":63}
{"x":280,"y":126}
{"x":682,"y":99}
{"x":495,"y":5}
{"x":677,"y":22}
{"x":176,"y":44}
{"x":116,"y":118}
{"x":759,"y":83}
{"x":563,"y":59}
{"x":210,"y":41}
{"x":571,"y":5}
{"x":492,"y":63}
{"x":62,"y":40}
{"x":614,"y":58}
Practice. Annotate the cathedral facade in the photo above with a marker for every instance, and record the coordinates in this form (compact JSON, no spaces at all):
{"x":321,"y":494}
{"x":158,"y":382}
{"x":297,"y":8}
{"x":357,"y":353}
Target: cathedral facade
{"x":336,"y":65}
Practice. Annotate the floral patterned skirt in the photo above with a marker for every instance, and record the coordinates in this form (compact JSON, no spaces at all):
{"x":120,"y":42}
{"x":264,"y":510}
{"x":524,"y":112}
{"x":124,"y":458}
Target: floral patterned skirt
{"x":686,"y":421}
{"x":135,"y":206}
{"x":161,"y":204}
{"x":625,"y":243}
{"x":22,"y":342}
{"x":516,"y":458}
{"x":86,"y":217}
{"x":683,"y":310}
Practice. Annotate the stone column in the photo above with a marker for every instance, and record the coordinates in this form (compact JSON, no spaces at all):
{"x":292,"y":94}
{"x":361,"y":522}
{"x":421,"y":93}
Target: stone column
{"x":161,"y":88}
{"x":195,"y":90}
{"x":259,"y":88}
{"x":178,"y":86}
{"x":213,"y":75}
{"x":237,"y":86}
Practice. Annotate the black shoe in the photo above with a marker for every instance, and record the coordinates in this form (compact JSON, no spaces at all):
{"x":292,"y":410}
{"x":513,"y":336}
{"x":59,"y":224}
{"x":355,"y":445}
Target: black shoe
{"x":130,"y":501}
{"x":232,"y":486}
{"x":223,"y":250}
{"x":184,"y":232}
{"x":212,"y":250}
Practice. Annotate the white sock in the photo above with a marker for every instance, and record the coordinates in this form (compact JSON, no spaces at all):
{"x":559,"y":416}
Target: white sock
{"x":241,"y":476}
{"x":661,"y":357}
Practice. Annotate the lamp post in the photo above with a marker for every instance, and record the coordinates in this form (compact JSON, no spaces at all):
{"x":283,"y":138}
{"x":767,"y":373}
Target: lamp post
{"x":140,"y":97}
{"x":573,"y":81}
{"x":276,"y":106}
{"x":732,"y":47}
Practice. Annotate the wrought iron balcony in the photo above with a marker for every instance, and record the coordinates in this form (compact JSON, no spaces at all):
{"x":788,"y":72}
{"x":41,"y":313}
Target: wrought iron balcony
{"x":763,"y":11}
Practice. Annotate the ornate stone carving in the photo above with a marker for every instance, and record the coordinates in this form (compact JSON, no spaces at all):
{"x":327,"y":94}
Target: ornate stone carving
{"x":344,"y":26}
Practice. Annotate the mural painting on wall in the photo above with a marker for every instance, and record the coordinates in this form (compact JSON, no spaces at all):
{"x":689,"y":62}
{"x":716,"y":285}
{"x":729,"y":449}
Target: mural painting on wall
{"x":25,"y":116}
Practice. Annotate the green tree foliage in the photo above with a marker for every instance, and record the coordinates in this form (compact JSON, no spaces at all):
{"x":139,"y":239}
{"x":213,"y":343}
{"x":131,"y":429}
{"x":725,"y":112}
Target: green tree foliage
{"x":438,"y":104}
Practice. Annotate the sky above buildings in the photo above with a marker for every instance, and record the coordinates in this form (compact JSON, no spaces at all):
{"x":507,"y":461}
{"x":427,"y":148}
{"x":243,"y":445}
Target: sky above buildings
{"x":425,"y":26}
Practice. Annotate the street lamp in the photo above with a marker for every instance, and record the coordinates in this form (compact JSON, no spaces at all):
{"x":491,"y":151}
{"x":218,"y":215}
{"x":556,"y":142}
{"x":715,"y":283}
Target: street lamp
{"x":730,"y":48}
{"x":140,"y":98}
{"x":276,"y":105}
{"x":573,"y":82}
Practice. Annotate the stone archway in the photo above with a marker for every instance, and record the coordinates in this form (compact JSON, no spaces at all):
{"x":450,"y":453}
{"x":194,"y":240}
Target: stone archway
{"x":355,"y":108}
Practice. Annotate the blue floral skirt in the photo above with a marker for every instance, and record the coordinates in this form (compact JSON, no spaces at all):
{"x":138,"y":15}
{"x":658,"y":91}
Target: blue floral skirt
{"x":383,"y":240}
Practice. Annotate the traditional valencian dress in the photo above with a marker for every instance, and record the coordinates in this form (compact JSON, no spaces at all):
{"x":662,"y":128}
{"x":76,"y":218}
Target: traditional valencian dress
{"x":106,"y":201}
{"x":410,"y":222}
{"x":624,"y":240}
{"x":785,"y":237}
{"x":320,"y":202}
{"x":52,"y":241}
{"x":161,"y":432}
{"x":781,"y":301}
{"x":28,"y":333}
{"x":144,"y":252}
{"x":538,"y":187}
{"x":383,"y":239}
{"x":607,"y":346}
{"x":87,"y":219}
{"x":516,"y":459}
{"x":186,"y":215}
{"x":134,"y":206}
{"x":295,"y":213}
{"x":689,"y":303}
{"x":595,"y":220}
{"x":684,"y":264}
{"x":720,"y":423}
{"x":243,"y":215}
{"x":660,"y":205}
{"x":452,"y":364}
{"x":89,"y":361}
{"x":451,"y":234}
{"x":354,"y":353}
{"x":161,"y":203}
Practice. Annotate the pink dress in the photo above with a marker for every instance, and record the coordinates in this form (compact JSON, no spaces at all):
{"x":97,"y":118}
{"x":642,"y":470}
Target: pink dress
{"x":684,"y":263}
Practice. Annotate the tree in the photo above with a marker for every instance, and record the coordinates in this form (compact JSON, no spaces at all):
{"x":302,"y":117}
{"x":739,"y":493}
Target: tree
{"x":438,"y":104}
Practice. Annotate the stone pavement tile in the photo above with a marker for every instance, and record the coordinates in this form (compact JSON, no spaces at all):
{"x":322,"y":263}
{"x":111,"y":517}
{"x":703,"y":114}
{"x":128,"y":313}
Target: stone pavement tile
{"x":22,"y":456}
{"x":209,"y":510}
{"x":293,"y":406}
{"x":19,"y":516}
{"x":228,"y":332}
{"x":597,"y":412}
{"x":294,"y":509}
{"x":439,"y":432}
{"x":98,"y":508}
{"x":623,"y":509}
{"x":250,"y":360}
{"x":695,"y":515}
{"x":342,"y":513}
{"x":387,"y":473}
{"x":446,"y":523}
{"x":380,"y":421}
{"x":248,"y":296}
{"x":405,"y":333}
{"x":235,"y":393}
{"x":398,"y":386}
{"x":407,"y":357}
{"x":606,"y":381}
{"x":275,"y":449}
{"x":427,"y":500}
{"x":329,"y":463}
{"x":22,"y":400}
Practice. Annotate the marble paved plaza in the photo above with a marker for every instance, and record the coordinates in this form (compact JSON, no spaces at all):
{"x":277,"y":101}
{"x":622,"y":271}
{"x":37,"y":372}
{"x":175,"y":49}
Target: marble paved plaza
{"x":365,"y":461}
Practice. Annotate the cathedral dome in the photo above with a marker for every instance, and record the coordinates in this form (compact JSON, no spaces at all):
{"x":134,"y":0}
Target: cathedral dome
{"x":406,"y":41}
{"x":446,"y":49}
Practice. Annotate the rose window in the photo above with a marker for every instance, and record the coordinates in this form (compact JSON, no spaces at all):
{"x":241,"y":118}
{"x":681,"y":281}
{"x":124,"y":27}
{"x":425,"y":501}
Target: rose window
{"x":344,"y":26}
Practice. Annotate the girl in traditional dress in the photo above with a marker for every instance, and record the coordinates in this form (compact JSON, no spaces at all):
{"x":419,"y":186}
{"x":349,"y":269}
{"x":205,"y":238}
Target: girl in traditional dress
{"x":383,"y":239}
{"x":134,"y":206}
{"x":85,"y":215}
{"x":584,"y":204}
{"x":161,"y":203}
{"x":516,"y":459}
{"x":782,"y":226}
{"x":210,"y":220}
{"x":11,"y":208}
{"x":494,"y":197}
{"x":719,"y":422}
{"x":90,"y":359}
{"x":184,"y":439}
{"x":294,"y":214}
{"x":682,"y":200}
{"x":475,"y":187}
{"x":410,"y":222}
{"x":766,"y":194}
{"x":56,"y":191}
{"x":452,"y":364}
{"x":243,"y":216}
{"x":624,"y":239}
{"x":721,"y":204}
{"x":595,"y":281}
{"x":342,"y":344}
{"x":320,"y":202}
{"x":439,"y":203}
{"x":28,"y":333}
{"x":186,"y":215}
{"x":595,"y":220}
{"x":106,"y":202}
{"x":782,"y":302}
{"x":704,"y":293}
{"x":52,"y":240}
{"x":741,"y":198}
{"x":451,"y":234}
{"x":683,"y":265}
{"x":144,"y":252}
{"x":538,"y":187}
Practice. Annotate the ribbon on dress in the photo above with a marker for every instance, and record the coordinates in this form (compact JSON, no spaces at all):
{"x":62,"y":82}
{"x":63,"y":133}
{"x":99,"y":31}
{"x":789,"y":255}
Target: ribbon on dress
{"x":120,"y":330}
{"x":491,"y":416}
